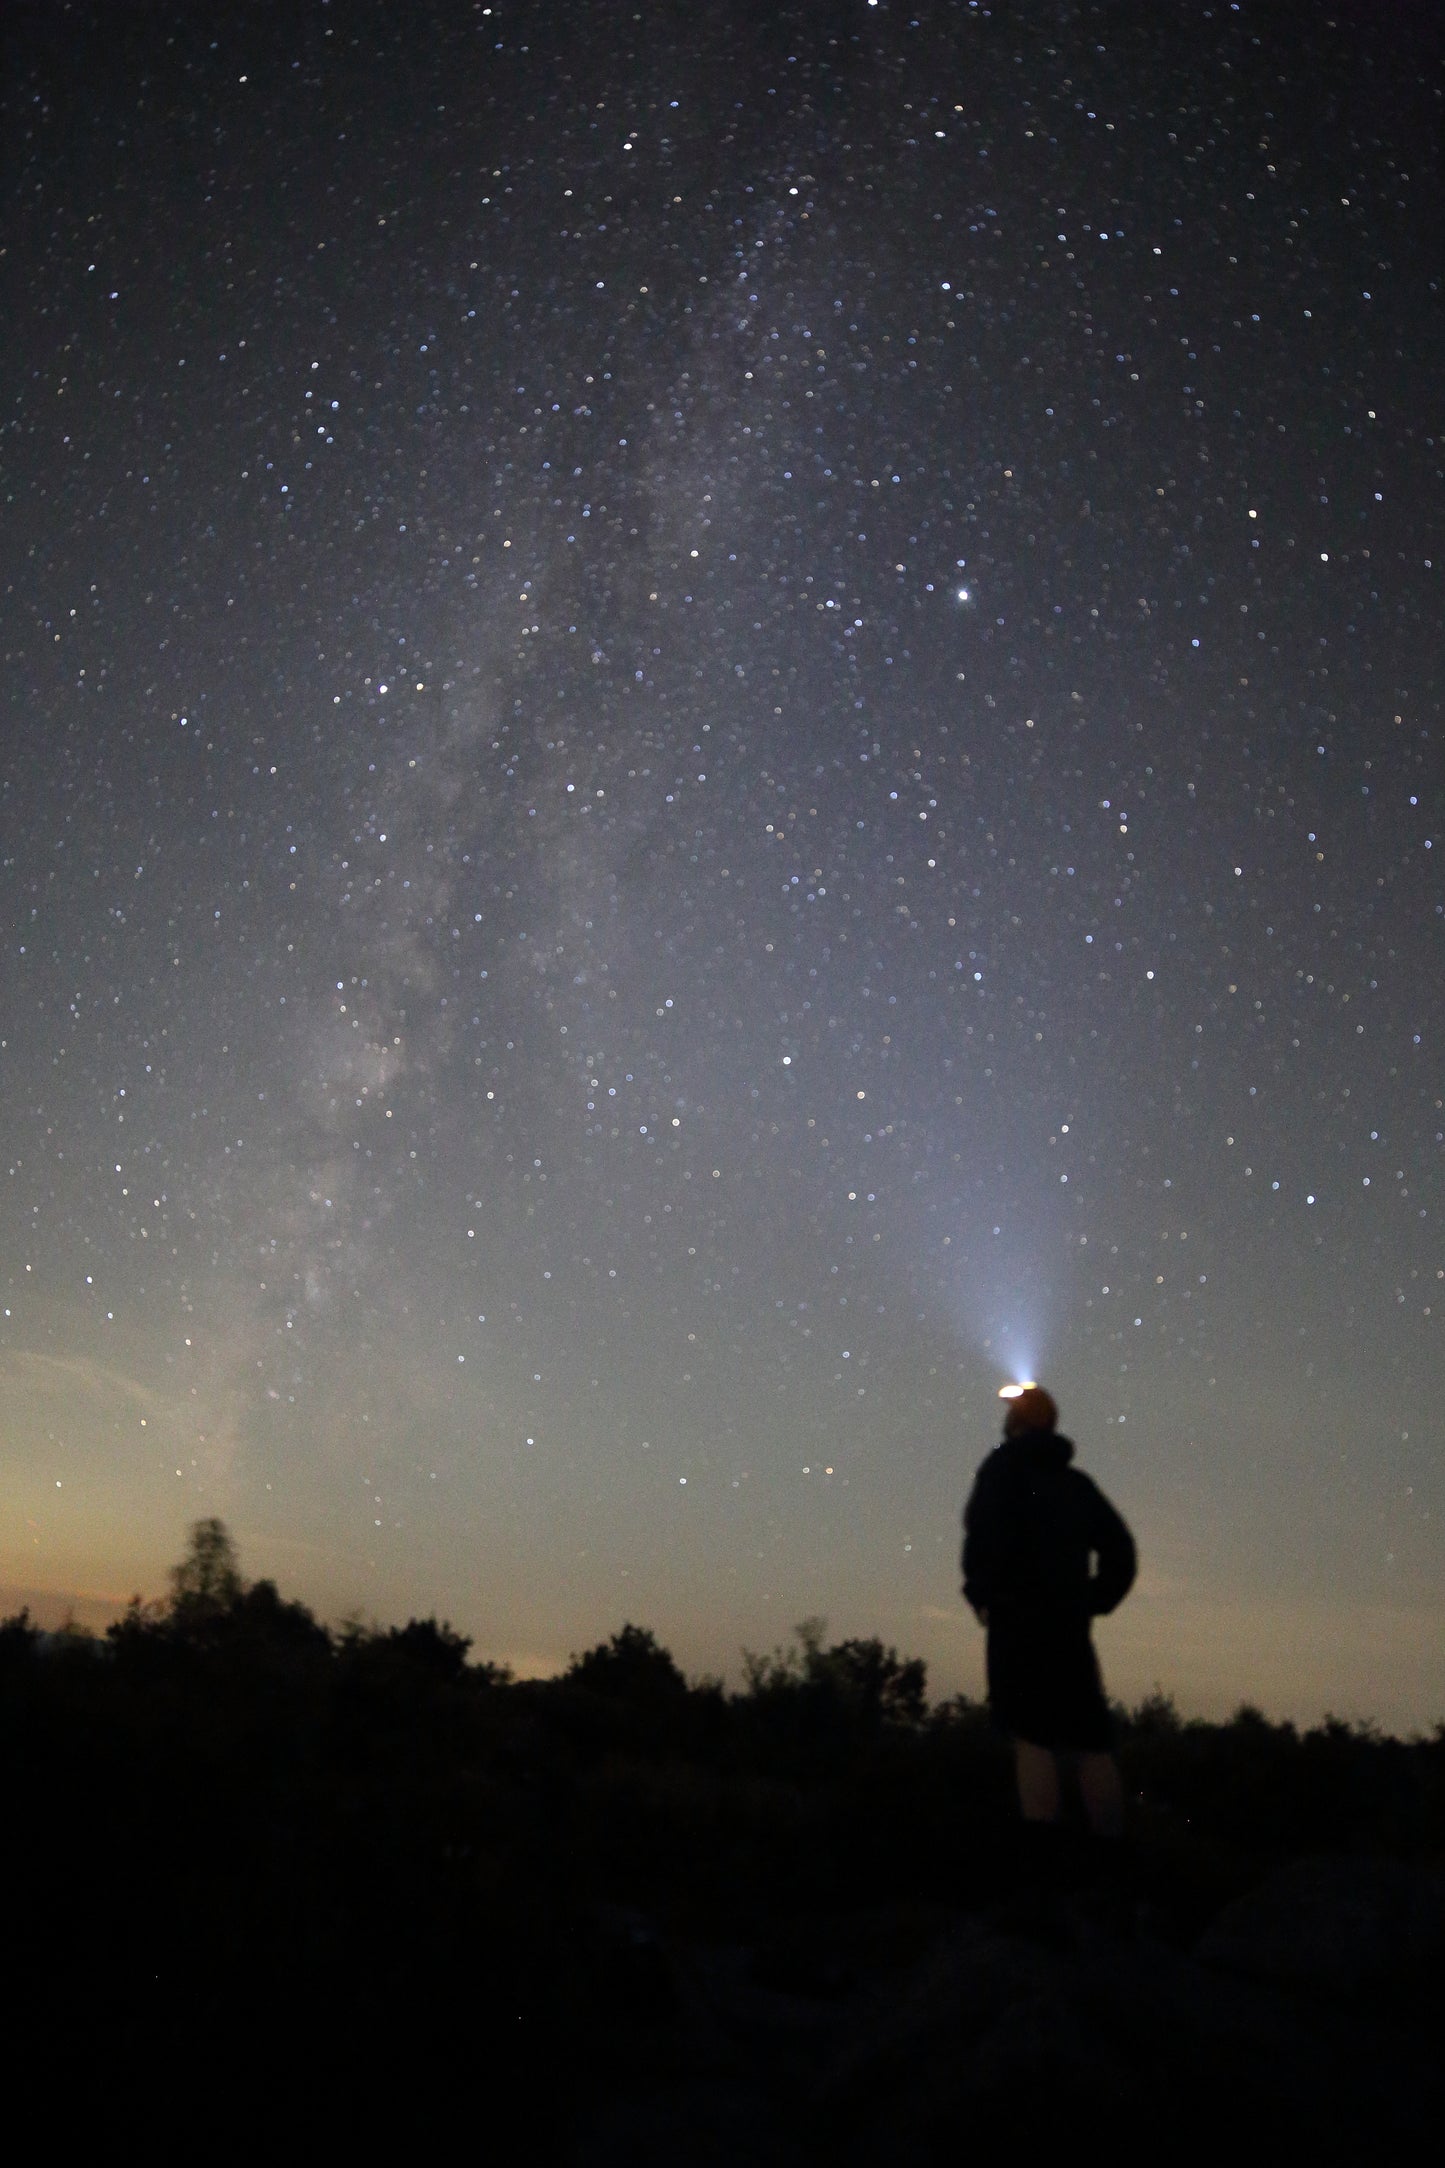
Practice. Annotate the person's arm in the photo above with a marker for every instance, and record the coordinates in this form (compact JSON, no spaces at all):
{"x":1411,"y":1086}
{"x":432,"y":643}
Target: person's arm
{"x":978,"y":1547}
{"x":1117,"y":1561}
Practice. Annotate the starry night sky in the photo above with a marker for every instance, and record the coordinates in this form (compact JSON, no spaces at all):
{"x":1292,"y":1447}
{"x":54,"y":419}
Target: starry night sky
{"x":720,"y":722}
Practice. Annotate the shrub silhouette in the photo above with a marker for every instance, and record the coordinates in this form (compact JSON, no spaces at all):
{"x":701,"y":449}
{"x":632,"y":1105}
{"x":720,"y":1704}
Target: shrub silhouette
{"x":877,"y":1684}
{"x":422,"y":1652}
{"x":263,"y":1828}
{"x":810,"y":1707}
{"x":18,"y":1641}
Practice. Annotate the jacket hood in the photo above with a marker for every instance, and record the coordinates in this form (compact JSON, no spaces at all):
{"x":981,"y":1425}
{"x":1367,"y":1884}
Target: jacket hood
{"x":1038,"y":1449}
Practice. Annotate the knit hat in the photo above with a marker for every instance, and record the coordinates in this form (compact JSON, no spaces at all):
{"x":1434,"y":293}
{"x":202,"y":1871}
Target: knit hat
{"x":1032,"y":1409}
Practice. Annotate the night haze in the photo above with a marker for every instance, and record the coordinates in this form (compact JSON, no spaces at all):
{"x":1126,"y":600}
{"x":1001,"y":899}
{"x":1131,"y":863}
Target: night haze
{"x":721,"y":726}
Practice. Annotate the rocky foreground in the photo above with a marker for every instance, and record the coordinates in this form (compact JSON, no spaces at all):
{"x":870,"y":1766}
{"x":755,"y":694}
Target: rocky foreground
{"x":1308,"y":2015}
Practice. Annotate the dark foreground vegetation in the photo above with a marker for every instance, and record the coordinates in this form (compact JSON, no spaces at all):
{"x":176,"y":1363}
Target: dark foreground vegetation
{"x":277,"y":1875}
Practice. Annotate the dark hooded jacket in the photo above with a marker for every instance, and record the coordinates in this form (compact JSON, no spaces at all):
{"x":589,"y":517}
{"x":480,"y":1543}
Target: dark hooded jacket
{"x":1040,"y":1538}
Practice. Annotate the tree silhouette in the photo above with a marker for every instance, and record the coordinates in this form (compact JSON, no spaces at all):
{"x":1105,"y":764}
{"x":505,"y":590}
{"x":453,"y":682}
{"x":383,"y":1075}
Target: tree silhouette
{"x":261,"y":1617}
{"x":208,"y":1579}
{"x":633,"y":1667}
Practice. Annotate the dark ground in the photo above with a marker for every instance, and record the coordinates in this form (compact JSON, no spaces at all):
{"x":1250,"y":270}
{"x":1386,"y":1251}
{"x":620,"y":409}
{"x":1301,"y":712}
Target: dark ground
{"x":268,"y":1879}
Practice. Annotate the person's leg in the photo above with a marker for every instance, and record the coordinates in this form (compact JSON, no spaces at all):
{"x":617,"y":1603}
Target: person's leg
{"x":1037,"y":1770}
{"x":1044,"y":1844}
{"x":1102,"y":1791}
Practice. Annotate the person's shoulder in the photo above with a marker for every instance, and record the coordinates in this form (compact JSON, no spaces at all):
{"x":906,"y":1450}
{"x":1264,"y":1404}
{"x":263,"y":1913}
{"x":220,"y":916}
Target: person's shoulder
{"x":1089,"y":1492}
{"x":989,"y":1471}
{"x":1081,"y":1480}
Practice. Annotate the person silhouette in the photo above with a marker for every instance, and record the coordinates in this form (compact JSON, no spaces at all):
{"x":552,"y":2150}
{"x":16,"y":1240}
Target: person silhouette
{"x":1044,"y":1554}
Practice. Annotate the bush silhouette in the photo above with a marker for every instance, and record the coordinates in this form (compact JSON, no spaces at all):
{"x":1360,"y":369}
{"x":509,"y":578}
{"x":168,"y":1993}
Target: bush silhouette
{"x":422,"y":1652}
{"x":266,"y":1829}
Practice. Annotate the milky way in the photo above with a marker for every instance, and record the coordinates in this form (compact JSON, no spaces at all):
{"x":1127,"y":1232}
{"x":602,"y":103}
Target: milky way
{"x":716,"y":730}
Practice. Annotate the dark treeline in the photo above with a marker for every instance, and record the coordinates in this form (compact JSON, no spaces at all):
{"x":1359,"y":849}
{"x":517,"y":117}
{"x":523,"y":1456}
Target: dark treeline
{"x":359,"y":1849}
